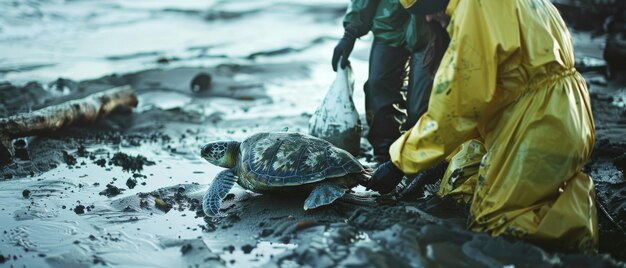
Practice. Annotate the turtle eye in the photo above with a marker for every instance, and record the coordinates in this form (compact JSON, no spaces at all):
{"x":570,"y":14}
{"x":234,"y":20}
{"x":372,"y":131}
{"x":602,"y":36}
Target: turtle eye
{"x":206,"y":150}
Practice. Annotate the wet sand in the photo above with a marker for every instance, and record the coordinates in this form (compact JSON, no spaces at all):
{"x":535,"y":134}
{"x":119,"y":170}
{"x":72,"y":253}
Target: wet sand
{"x":125,"y":191}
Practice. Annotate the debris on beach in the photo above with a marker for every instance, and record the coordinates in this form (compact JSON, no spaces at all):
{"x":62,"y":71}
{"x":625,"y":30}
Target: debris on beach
{"x":87,"y":110}
{"x":336,"y":118}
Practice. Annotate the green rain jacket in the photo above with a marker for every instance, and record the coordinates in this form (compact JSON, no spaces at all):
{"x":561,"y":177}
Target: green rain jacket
{"x":388,"y":21}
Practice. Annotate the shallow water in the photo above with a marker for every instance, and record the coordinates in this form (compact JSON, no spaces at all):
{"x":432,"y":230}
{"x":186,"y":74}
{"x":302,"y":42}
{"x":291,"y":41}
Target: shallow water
{"x":46,"y":223}
{"x":42,"y":40}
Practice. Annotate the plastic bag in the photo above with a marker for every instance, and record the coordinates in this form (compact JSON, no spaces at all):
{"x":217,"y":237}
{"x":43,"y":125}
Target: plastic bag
{"x":336,"y":119}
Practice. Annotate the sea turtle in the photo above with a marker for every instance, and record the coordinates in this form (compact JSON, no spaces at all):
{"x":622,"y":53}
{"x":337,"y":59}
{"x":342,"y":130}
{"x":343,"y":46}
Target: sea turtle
{"x":282,"y":163}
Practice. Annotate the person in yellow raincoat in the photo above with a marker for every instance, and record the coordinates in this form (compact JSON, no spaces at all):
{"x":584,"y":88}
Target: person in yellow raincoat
{"x":513,"y":117}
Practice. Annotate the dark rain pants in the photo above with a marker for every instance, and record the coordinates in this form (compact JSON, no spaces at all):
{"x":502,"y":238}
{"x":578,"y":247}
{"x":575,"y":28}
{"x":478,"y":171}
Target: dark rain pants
{"x":384,"y":102}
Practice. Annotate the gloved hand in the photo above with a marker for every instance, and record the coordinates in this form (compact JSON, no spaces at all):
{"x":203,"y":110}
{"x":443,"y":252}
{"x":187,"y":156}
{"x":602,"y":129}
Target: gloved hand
{"x":385,"y":178}
{"x":343,"y":50}
{"x":428,"y":176}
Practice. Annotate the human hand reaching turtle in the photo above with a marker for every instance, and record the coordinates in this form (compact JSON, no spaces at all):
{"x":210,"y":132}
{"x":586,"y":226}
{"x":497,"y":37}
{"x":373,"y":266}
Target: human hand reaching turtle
{"x":385,"y":178}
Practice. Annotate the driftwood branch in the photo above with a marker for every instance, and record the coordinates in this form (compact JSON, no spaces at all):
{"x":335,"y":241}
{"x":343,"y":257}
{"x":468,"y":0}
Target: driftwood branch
{"x":86,"y":110}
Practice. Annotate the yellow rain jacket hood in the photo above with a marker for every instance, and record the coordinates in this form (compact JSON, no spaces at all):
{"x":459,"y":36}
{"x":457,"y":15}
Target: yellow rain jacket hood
{"x":513,"y":117}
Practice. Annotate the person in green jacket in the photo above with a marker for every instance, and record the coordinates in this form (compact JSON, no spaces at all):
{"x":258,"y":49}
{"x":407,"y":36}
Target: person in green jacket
{"x":399,"y":40}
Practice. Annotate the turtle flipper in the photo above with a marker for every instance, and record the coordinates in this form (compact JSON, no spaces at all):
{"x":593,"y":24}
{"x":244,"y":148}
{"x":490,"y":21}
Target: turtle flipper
{"x":220,"y":186}
{"x":324,"y":194}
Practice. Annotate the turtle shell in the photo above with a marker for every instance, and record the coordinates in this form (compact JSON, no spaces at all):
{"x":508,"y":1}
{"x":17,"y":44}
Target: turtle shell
{"x":290,"y":159}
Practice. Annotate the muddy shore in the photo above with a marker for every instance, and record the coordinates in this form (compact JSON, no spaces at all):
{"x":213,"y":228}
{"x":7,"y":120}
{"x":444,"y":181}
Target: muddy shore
{"x":125,"y":191}
{"x":105,"y":176}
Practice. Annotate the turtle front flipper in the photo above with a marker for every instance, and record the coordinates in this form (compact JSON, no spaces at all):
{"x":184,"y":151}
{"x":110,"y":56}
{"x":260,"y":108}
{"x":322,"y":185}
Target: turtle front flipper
{"x":220,"y":186}
{"x":324,"y":194}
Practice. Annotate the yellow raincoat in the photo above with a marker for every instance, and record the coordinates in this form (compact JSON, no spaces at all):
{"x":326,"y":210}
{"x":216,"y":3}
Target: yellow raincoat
{"x":514,"y":117}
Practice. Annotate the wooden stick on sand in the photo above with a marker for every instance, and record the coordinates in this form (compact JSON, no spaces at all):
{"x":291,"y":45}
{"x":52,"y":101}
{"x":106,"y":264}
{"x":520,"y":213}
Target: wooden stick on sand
{"x":86,"y":110}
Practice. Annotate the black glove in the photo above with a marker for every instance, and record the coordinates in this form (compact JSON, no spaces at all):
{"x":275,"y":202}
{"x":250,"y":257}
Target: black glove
{"x":385,"y":178}
{"x":343,"y":50}
{"x":428,"y":176}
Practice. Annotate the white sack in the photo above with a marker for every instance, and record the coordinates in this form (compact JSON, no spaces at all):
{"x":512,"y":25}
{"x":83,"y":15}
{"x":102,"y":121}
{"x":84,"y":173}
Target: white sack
{"x":336,"y":119}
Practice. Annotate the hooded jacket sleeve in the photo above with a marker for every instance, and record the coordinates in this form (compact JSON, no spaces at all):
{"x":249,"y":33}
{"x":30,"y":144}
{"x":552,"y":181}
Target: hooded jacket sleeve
{"x":360,"y":16}
{"x":464,"y":91}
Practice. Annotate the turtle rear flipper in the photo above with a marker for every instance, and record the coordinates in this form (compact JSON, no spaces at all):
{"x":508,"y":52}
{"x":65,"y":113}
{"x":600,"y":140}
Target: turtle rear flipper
{"x":324,"y":194}
{"x":220,"y":186}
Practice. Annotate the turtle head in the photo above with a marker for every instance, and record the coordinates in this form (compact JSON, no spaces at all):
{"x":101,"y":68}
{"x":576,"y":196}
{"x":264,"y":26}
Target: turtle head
{"x":221,"y":153}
